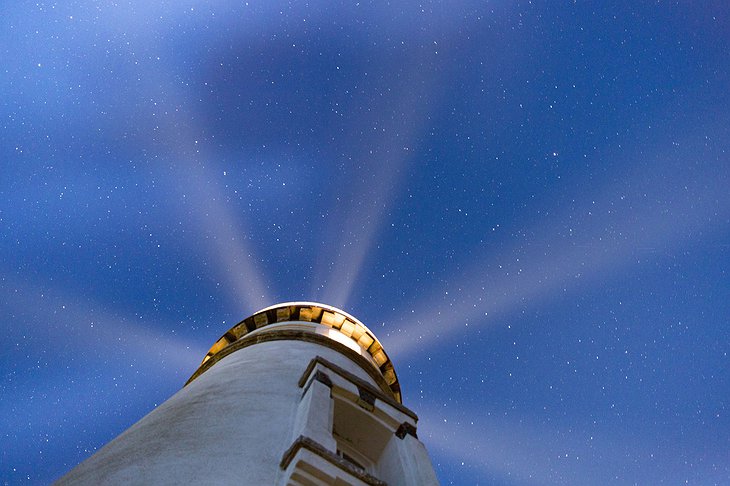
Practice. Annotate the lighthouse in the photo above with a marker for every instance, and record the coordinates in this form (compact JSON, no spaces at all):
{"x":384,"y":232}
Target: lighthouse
{"x":299,"y":393}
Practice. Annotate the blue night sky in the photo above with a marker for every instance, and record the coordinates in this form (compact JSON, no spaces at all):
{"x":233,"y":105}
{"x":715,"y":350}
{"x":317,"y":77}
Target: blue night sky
{"x":527,"y":202}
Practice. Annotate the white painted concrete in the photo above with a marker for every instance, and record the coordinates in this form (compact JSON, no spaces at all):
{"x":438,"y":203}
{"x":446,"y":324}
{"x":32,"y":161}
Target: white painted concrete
{"x":233,"y":423}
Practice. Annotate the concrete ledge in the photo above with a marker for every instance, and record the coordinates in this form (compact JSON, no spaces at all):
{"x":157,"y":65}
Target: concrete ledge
{"x":303,"y":442}
{"x":361,"y":384}
{"x":320,"y":377}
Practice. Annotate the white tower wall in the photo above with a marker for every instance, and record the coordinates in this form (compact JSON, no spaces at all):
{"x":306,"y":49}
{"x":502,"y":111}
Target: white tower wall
{"x":295,"y":403}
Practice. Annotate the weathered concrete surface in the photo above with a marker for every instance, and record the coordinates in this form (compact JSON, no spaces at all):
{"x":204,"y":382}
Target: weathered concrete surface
{"x":229,"y":426}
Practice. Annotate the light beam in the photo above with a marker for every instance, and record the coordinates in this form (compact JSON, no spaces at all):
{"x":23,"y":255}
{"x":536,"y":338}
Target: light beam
{"x":515,"y":451}
{"x":394,"y":138}
{"x":626,"y":224}
{"x":219,"y":229}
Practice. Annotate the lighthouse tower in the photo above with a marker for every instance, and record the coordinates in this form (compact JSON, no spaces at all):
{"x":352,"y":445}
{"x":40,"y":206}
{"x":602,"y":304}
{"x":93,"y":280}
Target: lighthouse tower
{"x":299,"y":393}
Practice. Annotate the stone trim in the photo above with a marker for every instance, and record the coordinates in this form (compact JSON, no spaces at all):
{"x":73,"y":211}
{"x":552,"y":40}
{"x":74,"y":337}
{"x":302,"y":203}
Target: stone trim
{"x":360,"y":383}
{"x":365,"y":399}
{"x":312,"y":312}
{"x":300,"y":335}
{"x":406,"y":429}
{"x":313,"y":446}
{"x":321,"y":377}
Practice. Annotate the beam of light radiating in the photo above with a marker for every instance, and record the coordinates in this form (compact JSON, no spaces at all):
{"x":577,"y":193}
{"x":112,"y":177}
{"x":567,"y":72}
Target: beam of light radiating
{"x":225,"y":235}
{"x":510,"y":454}
{"x":371,"y":198}
{"x":153,"y":110}
{"x":514,"y":451}
{"x":106,"y":368}
{"x":77,"y":325}
{"x":220,"y":230}
{"x":625,"y":224}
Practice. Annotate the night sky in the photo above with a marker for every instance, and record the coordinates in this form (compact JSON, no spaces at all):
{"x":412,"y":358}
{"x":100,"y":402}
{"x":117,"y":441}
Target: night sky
{"x":527,"y":202}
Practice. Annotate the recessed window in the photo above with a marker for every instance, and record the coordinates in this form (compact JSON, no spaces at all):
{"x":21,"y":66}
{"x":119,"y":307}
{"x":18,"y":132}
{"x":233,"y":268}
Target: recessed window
{"x":349,"y":454}
{"x":360,"y":437}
